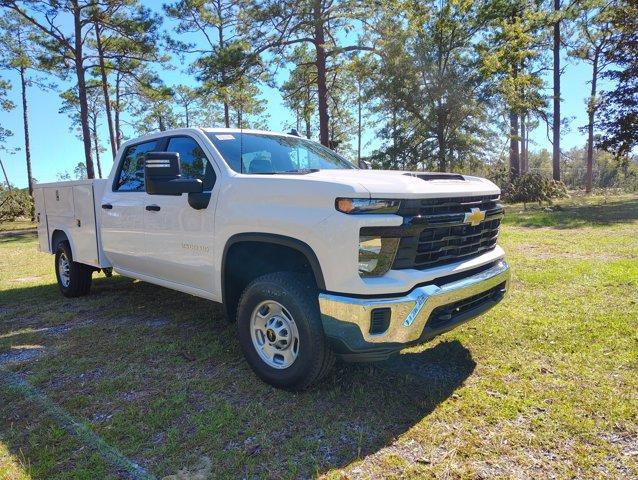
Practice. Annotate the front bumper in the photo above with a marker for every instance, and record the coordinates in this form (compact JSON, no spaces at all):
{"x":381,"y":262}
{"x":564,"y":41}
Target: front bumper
{"x":417,"y":317}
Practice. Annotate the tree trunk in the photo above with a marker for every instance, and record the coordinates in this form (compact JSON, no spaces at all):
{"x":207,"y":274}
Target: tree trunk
{"x":105,"y":89}
{"x":96,"y":147}
{"x":556,"y":118}
{"x":187,"y":120}
{"x":118,"y":133}
{"x":226,"y":114}
{"x":27,"y":143}
{"x":6,"y":178}
{"x":440,"y":137}
{"x":524,"y":162}
{"x":320,"y":63}
{"x":591,"y":111}
{"x":307,"y":115}
{"x":160,"y":120}
{"x":221,"y":42}
{"x":393,"y":158}
{"x":514,"y":155}
{"x":84,"y":109}
{"x":359,"y":101}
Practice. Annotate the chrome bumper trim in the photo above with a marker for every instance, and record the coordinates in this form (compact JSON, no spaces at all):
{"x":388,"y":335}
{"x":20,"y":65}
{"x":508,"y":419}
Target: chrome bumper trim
{"x":409,"y":313}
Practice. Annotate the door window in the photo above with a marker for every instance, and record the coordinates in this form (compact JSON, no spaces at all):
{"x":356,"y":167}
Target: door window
{"x":131,"y":176}
{"x":193,"y":160}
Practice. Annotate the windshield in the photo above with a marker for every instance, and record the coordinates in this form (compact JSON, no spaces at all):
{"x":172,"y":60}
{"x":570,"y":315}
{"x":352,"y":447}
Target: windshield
{"x":271,"y":154}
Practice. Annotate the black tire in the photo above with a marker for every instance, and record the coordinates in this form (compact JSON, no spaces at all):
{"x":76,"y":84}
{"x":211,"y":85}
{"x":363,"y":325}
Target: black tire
{"x":298,"y":295}
{"x":79,"y":275}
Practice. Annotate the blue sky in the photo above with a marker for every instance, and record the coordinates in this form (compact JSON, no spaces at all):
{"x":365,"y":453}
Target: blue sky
{"x":55,"y":148}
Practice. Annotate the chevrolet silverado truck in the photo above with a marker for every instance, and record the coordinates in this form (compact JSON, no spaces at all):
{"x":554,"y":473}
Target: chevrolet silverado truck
{"x":312,"y":257}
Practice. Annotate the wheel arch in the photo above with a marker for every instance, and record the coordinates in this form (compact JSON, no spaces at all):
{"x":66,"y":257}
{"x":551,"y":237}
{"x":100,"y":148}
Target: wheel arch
{"x":265,"y":240}
{"x":60,"y":235}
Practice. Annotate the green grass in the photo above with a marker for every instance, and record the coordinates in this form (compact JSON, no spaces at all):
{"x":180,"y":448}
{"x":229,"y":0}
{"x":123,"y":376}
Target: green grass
{"x":21,"y":224}
{"x":543,"y":386}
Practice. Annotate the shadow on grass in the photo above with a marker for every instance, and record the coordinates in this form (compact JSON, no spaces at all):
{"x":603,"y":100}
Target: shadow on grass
{"x":8,"y":238}
{"x":218,"y":408}
{"x":573,"y":215}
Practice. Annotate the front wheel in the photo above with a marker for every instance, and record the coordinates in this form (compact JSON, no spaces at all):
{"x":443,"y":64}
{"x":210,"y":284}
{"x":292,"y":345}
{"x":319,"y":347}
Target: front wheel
{"x":280,"y":331}
{"x":74,"y":279}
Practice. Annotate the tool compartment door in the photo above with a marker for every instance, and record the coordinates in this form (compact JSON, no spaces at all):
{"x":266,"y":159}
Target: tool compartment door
{"x":83,"y":229}
{"x":41,"y":219}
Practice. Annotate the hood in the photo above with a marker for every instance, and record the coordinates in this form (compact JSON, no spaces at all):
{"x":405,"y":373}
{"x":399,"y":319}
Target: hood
{"x":401,"y":184}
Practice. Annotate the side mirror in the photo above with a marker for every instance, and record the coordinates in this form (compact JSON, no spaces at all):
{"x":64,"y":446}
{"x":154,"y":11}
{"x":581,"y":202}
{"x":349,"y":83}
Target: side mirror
{"x":162,"y":175}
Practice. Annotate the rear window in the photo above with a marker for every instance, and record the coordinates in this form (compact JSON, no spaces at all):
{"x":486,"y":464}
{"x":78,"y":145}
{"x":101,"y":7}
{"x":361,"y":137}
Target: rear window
{"x":131,"y":175}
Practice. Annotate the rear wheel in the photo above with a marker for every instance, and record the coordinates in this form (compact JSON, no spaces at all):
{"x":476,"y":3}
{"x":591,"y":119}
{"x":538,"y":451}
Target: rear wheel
{"x":74,"y":279}
{"x":280,"y":331}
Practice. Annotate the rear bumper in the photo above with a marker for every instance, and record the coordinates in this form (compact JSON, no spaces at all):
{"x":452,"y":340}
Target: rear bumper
{"x":417,"y":317}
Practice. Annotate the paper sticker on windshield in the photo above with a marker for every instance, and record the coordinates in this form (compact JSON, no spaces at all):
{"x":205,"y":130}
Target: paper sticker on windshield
{"x":224,"y":136}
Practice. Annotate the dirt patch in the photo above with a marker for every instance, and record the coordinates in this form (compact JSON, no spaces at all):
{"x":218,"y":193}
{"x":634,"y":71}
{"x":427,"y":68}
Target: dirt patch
{"x":202,"y":471}
{"x":21,"y":354}
{"x":626,"y":442}
{"x":33,"y":278}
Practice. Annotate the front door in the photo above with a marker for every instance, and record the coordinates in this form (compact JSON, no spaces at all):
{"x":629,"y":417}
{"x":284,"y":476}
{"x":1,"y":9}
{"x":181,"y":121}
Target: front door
{"x":122,"y":212}
{"x":179,"y":238}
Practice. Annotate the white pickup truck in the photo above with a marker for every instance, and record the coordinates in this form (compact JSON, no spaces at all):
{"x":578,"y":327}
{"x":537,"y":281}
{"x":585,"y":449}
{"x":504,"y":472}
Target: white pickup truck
{"x":312,"y":257}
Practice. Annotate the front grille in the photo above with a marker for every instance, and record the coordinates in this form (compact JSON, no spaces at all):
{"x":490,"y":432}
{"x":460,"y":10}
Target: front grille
{"x":435,"y":233}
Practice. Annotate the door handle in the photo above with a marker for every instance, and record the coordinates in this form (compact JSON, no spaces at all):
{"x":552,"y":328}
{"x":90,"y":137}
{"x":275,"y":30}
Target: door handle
{"x":153,"y":208}
{"x":107,"y":206}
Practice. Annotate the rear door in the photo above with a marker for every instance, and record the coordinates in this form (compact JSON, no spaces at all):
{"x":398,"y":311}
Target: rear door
{"x":122,"y":211}
{"x":179,"y":238}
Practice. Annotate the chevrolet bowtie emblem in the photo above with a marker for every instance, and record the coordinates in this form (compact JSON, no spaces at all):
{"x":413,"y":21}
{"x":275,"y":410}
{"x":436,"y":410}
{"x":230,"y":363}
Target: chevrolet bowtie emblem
{"x":474,"y":217}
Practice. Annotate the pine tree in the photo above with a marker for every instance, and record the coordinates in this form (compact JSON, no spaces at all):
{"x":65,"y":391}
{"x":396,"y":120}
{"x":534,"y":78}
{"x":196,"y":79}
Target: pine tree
{"x":432,"y":90}
{"x":70,"y":106}
{"x":510,"y":53}
{"x":299,"y":91}
{"x":223,"y":62}
{"x":67,"y":51}
{"x":123,"y":30}
{"x":19,"y":52}
{"x":5,"y":105}
{"x":619,"y":115}
{"x":275,"y":26}
{"x":592,"y":42}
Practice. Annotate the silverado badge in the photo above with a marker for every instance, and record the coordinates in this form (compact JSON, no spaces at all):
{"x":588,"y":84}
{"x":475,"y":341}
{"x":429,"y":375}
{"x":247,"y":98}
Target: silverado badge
{"x":474,"y":217}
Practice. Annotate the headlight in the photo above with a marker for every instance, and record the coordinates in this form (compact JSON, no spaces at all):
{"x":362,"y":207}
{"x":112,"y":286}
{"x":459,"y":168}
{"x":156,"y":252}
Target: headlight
{"x":366,"y":205}
{"x":376,"y":255}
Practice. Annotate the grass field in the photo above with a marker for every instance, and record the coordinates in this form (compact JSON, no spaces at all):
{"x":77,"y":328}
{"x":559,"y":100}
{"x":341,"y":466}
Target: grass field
{"x":17,"y":225}
{"x":136,"y":381}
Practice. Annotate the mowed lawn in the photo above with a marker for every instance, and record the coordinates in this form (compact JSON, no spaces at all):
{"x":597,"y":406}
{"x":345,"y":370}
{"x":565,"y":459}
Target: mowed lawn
{"x":136,"y":381}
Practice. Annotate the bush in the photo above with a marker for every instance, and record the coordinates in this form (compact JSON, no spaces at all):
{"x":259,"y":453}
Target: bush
{"x":14,"y":203}
{"x":533,"y":187}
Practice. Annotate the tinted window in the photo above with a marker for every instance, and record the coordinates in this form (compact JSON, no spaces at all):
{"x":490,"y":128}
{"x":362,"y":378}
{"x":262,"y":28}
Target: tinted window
{"x":193,"y":160}
{"x":131,"y":177}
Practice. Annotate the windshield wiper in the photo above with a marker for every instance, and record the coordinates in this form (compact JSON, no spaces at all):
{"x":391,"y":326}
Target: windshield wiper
{"x":301,"y":171}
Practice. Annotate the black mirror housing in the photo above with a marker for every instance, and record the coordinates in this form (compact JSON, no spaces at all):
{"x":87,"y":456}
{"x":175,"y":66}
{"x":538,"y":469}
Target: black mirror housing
{"x":162,"y":175}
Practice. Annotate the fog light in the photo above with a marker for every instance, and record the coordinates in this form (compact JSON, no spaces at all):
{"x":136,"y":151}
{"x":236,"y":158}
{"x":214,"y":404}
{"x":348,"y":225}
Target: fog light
{"x":376,"y":255}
